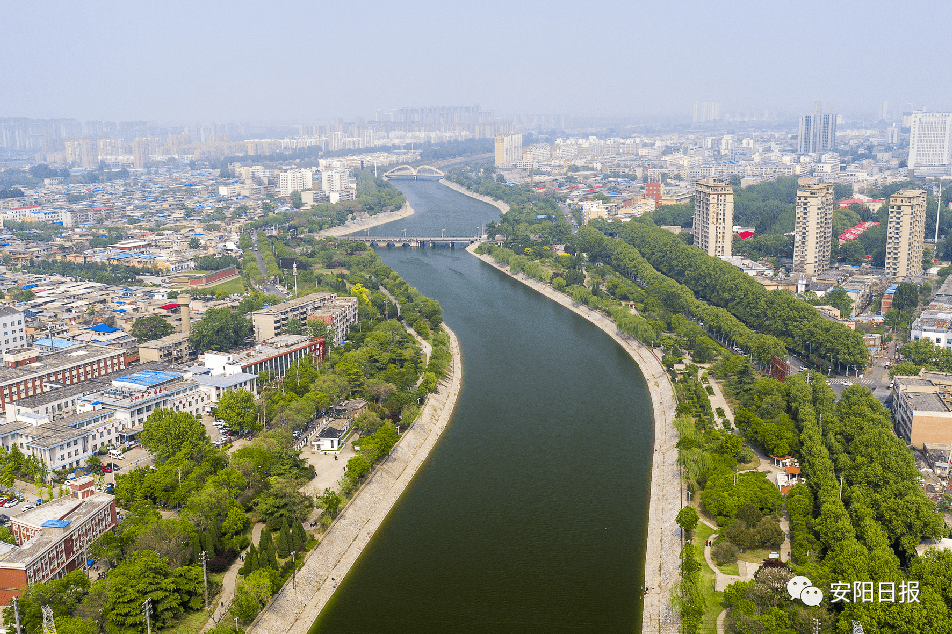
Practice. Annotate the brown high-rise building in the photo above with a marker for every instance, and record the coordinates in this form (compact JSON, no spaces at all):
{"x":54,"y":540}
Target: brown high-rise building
{"x":714,"y":216}
{"x":813,"y":232}
{"x":905,"y":233}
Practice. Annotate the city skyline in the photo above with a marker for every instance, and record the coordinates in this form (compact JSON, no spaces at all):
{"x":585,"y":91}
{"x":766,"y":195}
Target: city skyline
{"x":186,"y":63}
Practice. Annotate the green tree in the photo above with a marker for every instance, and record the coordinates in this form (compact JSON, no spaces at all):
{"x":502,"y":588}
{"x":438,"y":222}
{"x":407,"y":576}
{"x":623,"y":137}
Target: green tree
{"x":219,"y":330}
{"x":166,"y":432}
{"x":331,"y":501}
{"x":284,"y":541}
{"x":296,"y":199}
{"x":239,"y":410}
{"x":266,"y":552}
{"x":151,"y":328}
{"x":906,"y":297}
{"x":319,"y":328}
{"x":687,"y":518}
{"x":21,"y":294}
{"x":193,"y":243}
{"x":173,"y":294}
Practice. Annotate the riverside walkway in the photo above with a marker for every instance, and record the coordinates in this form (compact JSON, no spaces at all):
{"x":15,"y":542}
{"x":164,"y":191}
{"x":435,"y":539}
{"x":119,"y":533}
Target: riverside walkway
{"x":294,"y":609}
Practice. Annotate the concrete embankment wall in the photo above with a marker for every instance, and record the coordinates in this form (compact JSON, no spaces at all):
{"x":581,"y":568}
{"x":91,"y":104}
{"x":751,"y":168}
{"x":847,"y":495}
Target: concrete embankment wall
{"x":294,"y":610}
{"x":662,"y":551}
{"x":500,"y":205}
{"x":353,"y":226}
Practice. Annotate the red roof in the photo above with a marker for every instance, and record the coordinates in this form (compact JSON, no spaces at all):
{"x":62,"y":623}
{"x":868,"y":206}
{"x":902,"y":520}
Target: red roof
{"x":169,"y":306}
{"x":27,"y":207}
{"x":745,"y":234}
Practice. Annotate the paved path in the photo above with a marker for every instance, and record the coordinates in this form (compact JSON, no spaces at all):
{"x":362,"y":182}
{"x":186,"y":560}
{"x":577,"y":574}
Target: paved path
{"x":720,"y":621}
{"x":718,"y":399}
{"x":294,"y":610}
{"x":503,"y":207}
{"x":663,"y":547}
{"x":228,"y":584}
{"x":722,"y":580}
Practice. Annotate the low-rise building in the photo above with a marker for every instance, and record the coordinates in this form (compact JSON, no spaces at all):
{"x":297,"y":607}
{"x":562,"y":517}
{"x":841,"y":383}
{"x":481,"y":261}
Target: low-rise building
{"x":922,"y":407}
{"x":340,"y":314}
{"x":934,"y":325}
{"x":52,"y":539}
{"x":273,"y":355}
{"x":135,"y":396}
{"x":175,"y":348}
{"x":270,"y":322}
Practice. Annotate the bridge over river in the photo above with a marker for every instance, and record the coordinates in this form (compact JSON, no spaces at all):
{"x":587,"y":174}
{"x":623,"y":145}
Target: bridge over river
{"x":422,"y":173}
{"x":414,"y":241}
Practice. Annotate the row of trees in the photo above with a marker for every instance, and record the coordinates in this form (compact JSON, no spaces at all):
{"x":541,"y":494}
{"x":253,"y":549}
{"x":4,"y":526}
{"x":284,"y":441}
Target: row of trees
{"x":777,"y":313}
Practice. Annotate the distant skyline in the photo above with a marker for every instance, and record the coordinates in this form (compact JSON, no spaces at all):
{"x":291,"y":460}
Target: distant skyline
{"x":294,"y":62}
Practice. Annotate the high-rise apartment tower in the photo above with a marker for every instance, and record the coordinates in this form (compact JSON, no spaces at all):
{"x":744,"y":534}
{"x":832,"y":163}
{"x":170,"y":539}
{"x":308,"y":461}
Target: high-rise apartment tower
{"x":813,"y":230}
{"x":714,"y":216}
{"x":905,"y":232}
{"x":930,"y":143}
{"x":817,"y":131}
{"x":508,"y":148}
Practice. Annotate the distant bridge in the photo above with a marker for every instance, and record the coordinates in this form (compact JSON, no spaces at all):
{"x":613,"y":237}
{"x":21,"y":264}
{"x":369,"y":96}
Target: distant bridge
{"x":423,"y":173}
{"x":413,"y":241}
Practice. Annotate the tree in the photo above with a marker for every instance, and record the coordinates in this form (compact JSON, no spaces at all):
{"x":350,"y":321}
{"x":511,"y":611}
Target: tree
{"x":220,"y":330}
{"x":239,"y":410}
{"x":296,"y":199}
{"x":687,"y":518}
{"x":330,"y":500}
{"x":193,"y":243}
{"x":293,"y":327}
{"x":173,"y":294}
{"x":21,"y":294}
{"x":166,"y":432}
{"x":906,"y":297}
{"x":320,"y":328}
{"x":284,"y":541}
{"x":151,"y":328}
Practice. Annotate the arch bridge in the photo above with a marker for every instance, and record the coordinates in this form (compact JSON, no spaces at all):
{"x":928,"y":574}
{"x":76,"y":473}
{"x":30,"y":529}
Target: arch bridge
{"x":415,"y":241}
{"x":424,"y":172}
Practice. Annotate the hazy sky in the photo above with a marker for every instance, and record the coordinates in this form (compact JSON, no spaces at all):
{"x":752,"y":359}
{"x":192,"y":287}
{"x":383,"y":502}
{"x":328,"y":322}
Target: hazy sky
{"x":290,"y":61}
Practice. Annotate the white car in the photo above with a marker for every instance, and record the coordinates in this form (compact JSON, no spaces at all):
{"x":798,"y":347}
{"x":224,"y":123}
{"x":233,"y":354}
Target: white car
{"x":28,"y":507}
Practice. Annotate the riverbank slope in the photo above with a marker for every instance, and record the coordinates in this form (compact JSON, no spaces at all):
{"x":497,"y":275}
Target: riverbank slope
{"x":662,"y":553}
{"x":353,"y":226}
{"x":498,"y":204}
{"x":294,"y":610}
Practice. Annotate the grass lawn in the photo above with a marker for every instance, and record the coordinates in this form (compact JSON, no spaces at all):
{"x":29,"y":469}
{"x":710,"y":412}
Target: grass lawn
{"x":749,"y":466}
{"x":234,"y":285}
{"x":713,"y":601}
{"x":191,"y":624}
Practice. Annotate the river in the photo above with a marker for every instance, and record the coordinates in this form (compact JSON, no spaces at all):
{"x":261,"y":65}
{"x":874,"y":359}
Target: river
{"x":530,"y":513}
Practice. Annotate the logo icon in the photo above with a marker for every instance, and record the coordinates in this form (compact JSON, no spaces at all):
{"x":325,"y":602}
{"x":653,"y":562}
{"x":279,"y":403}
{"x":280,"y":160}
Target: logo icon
{"x":802,"y":588}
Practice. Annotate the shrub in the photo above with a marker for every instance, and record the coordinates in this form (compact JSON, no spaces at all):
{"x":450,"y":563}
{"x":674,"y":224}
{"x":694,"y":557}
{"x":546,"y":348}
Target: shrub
{"x":221,"y":561}
{"x":724,"y":552}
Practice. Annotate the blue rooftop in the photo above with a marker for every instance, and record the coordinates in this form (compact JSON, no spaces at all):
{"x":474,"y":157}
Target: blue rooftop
{"x":59,"y":344}
{"x":148,"y":378}
{"x":103,"y":328}
{"x":55,"y":524}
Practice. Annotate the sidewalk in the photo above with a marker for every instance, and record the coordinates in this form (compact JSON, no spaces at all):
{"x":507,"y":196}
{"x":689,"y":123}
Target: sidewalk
{"x":229,"y":583}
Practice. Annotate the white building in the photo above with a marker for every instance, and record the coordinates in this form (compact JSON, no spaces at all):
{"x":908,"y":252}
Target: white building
{"x":930,"y":144}
{"x":11,"y":325}
{"x":335,"y":180}
{"x":295,"y":180}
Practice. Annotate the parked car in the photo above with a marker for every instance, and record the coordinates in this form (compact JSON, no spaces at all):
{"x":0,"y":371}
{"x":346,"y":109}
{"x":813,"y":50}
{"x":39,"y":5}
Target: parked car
{"x":4,"y":519}
{"x":10,"y":504}
{"x":28,"y":507}
{"x":105,"y":469}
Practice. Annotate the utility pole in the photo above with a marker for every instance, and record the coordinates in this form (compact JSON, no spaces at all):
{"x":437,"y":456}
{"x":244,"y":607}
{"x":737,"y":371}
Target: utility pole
{"x":293,"y":569}
{"x":16,"y":614}
{"x":204,"y":559}
{"x":147,"y":610}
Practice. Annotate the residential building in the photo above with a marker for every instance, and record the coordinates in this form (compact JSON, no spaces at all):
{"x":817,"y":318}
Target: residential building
{"x":922,"y":407}
{"x":508,"y":149}
{"x":273,"y":355}
{"x":295,"y":180}
{"x":174,"y":348}
{"x":813,"y":230}
{"x":53,"y":539}
{"x":12,"y":327}
{"x":340,"y":314}
{"x":26,"y":373}
{"x":930,"y":143}
{"x":817,"y":131}
{"x":905,"y":233}
{"x":64,"y":442}
{"x":934,"y":325}
{"x":335,"y":180}
{"x":270,"y":322}
{"x":714,"y":216}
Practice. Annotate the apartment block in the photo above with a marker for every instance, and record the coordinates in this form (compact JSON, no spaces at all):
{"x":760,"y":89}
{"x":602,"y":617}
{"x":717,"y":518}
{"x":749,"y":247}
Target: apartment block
{"x":922,"y":407}
{"x":270,"y":322}
{"x":714,"y":217}
{"x":174,"y":348}
{"x":53,"y":539}
{"x":905,"y":233}
{"x":12,"y":327}
{"x":817,"y":131}
{"x":295,"y":180}
{"x":340,"y":314}
{"x":26,"y":373}
{"x":273,"y":355}
{"x":813,"y":230}
{"x":508,"y":149}
{"x":930,"y":143}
